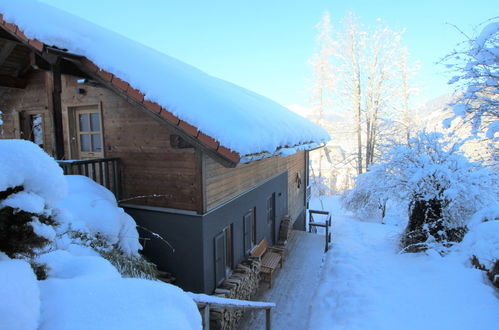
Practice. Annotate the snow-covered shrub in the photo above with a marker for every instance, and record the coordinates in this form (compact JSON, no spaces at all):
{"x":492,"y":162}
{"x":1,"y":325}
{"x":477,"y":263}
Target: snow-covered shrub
{"x":481,"y":243}
{"x":89,"y":216}
{"x":127,"y":264}
{"x":42,"y":210}
{"x":27,"y":194}
{"x":366,"y":199}
{"x":442,"y":187}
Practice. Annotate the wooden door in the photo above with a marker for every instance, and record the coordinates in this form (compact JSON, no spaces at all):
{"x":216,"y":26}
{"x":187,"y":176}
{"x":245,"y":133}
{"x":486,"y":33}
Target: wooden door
{"x":88,"y":132}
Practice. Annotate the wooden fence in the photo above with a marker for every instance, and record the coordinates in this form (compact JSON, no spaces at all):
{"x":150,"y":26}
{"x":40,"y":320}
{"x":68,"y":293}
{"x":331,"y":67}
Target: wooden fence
{"x":313,"y":225}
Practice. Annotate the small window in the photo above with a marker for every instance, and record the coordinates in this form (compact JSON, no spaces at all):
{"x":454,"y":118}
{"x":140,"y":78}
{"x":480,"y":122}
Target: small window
{"x":229,"y":255}
{"x":224,"y":254}
{"x":32,"y":127}
{"x":219,"y":258}
{"x":249,"y":224}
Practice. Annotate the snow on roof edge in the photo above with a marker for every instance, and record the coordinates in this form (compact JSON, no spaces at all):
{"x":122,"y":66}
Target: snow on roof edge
{"x":243,"y":130}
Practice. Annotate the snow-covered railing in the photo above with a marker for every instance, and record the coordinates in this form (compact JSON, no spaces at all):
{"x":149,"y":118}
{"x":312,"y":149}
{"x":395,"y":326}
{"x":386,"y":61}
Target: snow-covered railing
{"x":312,"y":225}
{"x":104,"y":171}
{"x":205,"y":302}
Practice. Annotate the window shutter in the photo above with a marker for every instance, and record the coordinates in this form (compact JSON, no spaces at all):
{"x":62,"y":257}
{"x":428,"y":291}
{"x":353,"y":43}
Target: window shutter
{"x":247,"y":232}
{"x":219,"y":258}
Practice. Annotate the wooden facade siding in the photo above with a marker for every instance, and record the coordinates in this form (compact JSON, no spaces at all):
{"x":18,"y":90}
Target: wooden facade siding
{"x":35,"y":98}
{"x":150,"y":165}
{"x":222,"y":184}
{"x":186,"y":179}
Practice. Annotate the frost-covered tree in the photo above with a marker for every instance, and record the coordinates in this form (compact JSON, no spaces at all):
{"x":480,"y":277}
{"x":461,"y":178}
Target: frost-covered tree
{"x":362,"y":72}
{"x":477,"y":79}
{"x":441,"y":186}
{"x":321,"y":93}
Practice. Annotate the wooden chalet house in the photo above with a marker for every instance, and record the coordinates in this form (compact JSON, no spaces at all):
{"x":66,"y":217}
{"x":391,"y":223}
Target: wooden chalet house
{"x":211,"y":167}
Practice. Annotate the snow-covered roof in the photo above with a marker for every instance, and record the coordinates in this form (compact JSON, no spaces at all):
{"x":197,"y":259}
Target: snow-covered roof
{"x":239,"y":120}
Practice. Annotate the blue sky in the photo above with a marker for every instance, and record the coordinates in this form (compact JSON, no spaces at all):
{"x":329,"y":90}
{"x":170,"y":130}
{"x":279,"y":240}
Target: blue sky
{"x":265,"y":45}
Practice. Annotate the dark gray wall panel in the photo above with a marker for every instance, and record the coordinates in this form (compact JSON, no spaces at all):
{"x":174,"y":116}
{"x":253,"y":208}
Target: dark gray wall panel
{"x":233,"y":212}
{"x":184,"y":233}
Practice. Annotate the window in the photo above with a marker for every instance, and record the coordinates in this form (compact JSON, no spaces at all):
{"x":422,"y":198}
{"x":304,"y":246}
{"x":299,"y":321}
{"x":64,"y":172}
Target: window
{"x":249,"y":225}
{"x":228,"y":249}
{"x":271,"y":219}
{"x":219,"y":258}
{"x":87,"y":132}
{"x":224,"y":255}
{"x":32,"y":127}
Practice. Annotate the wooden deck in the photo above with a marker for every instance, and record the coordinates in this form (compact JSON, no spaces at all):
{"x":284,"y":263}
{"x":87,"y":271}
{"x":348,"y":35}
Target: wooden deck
{"x":293,"y":286}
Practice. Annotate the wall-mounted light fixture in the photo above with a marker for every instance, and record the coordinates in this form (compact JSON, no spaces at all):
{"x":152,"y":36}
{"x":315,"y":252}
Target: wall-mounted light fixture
{"x":298,"y":180}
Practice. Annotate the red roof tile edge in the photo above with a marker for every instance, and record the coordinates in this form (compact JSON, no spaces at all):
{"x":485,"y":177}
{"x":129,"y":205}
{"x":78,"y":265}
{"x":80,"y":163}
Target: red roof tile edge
{"x":229,"y":154}
{"x":14,"y":29}
{"x":188,"y":128}
{"x":207,"y":140}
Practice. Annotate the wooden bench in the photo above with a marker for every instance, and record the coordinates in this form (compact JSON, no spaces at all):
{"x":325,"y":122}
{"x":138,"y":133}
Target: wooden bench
{"x":270,"y":257}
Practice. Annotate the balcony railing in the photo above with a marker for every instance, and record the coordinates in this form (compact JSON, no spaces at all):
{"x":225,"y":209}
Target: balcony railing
{"x":104,"y":171}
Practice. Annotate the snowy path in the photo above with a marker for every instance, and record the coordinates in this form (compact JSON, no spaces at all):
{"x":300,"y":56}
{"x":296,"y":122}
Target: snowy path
{"x":365,"y":284}
{"x":294,"y":285}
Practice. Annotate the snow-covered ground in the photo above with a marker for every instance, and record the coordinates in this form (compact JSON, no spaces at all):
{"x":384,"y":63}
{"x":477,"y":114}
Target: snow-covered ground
{"x":367,"y":284}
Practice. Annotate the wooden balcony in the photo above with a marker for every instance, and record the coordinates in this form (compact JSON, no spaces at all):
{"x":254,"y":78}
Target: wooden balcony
{"x":104,"y":171}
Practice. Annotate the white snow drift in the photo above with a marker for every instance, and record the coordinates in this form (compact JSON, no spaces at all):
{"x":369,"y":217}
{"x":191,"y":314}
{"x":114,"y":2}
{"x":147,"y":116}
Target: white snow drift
{"x":83,"y":290}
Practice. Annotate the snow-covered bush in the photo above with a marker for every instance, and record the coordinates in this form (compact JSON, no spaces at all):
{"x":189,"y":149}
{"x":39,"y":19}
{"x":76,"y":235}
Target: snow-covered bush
{"x":30,"y":184}
{"x":481,"y":243}
{"x":367,"y":199}
{"x":89,"y":216}
{"x":477,"y":80}
{"x":76,"y":238}
{"x":43,"y":210}
{"x":442,"y":187}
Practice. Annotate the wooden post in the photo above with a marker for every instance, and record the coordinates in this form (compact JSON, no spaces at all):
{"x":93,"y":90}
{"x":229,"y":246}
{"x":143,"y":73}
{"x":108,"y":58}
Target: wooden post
{"x":327,"y":237}
{"x":206,"y":317}
{"x":267,"y":319}
{"x":55,"y":69}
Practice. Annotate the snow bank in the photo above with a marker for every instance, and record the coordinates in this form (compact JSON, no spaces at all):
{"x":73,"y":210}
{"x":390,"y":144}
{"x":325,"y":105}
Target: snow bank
{"x":82,"y":290}
{"x":239,"y":119}
{"x":482,"y":239}
{"x":25,"y":164}
{"x":63,"y":265}
{"x":19,"y":295}
{"x":91,"y":208}
{"x":87,"y":292}
{"x":115,"y":304}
